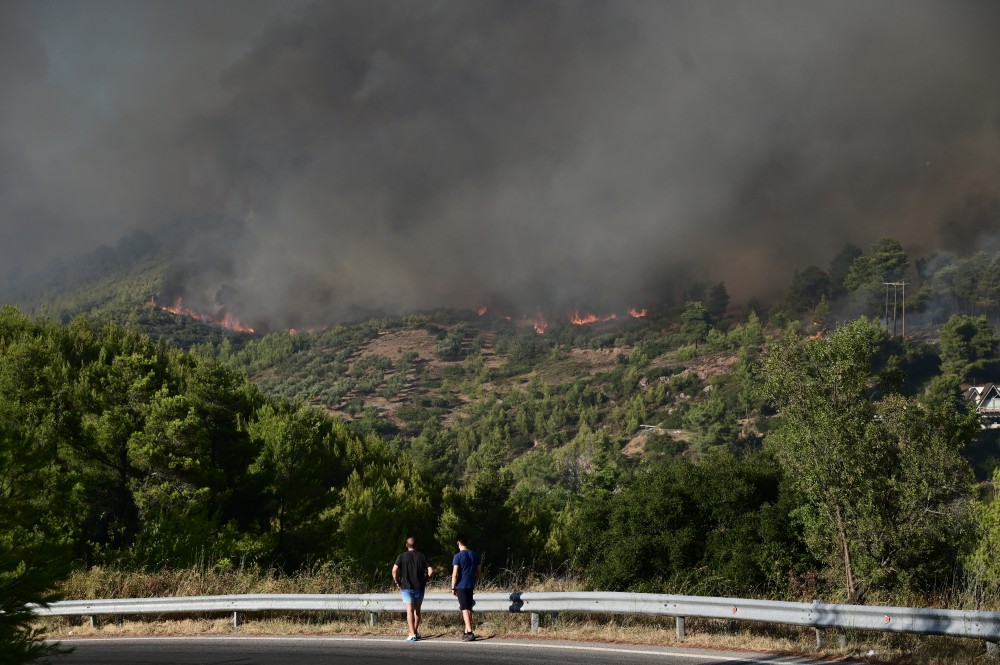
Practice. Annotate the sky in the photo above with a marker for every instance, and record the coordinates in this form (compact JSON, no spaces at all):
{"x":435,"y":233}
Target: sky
{"x":400,"y":155}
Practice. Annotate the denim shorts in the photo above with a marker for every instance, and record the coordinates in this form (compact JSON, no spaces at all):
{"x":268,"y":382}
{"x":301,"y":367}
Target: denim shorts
{"x":411,"y":596}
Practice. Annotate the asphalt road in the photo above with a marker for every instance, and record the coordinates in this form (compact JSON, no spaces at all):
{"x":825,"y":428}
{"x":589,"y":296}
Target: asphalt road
{"x":387,"y":651}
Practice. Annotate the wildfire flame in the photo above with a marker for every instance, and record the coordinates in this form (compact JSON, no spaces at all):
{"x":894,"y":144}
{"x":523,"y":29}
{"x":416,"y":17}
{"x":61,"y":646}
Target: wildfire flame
{"x":228,"y":321}
{"x":578,"y":318}
{"x":583,"y":319}
{"x":538,"y":323}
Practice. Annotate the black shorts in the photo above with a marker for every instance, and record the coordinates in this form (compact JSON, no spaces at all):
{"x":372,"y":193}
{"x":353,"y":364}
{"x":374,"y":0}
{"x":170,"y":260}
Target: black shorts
{"x":465,"y":601}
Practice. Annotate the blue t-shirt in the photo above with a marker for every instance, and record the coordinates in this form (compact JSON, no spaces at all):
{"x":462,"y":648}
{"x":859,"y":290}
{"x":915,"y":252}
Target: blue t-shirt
{"x":467,"y":562}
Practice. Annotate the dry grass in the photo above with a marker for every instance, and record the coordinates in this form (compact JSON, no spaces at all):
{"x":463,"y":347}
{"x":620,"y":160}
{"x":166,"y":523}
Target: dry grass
{"x":619,"y":629}
{"x":201,"y":581}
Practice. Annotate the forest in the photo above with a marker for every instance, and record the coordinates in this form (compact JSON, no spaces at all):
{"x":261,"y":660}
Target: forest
{"x":806,"y":447}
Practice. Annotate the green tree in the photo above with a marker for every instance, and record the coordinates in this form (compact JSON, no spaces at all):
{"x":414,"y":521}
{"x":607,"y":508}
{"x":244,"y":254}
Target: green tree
{"x":712,"y":423}
{"x":717,"y":300}
{"x":724,"y":514}
{"x":982,"y":562}
{"x":172,"y":487}
{"x":885,"y":262}
{"x":840,"y":267}
{"x":381,"y":504}
{"x":34,"y":540}
{"x":968,"y":344}
{"x":484,"y":510}
{"x":873,"y":475}
{"x":821,"y":313}
{"x":695,"y":322}
{"x":296,"y":469}
{"x":808,"y":287}
{"x":888,"y":259}
{"x":921,"y":533}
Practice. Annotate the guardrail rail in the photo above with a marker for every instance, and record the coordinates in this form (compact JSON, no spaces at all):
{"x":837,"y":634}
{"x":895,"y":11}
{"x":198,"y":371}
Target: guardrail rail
{"x":821,"y":616}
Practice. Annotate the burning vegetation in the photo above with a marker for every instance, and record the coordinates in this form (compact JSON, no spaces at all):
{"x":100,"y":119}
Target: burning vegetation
{"x":226,"y":320}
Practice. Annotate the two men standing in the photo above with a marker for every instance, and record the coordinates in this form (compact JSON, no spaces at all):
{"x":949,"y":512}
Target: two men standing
{"x":411,"y":572}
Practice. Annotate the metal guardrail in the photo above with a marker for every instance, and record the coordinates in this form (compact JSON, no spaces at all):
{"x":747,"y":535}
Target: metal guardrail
{"x":955,"y":623}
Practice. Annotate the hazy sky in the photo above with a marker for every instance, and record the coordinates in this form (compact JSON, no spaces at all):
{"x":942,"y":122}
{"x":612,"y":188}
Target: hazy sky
{"x":422,"y":153}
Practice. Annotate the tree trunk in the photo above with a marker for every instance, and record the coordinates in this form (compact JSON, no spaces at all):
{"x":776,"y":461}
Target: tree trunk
{"x":848,"y":574}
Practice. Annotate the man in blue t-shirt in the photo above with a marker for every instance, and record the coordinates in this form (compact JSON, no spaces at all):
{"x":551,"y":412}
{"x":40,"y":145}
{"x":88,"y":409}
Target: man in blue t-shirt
{"x":467,"y":568}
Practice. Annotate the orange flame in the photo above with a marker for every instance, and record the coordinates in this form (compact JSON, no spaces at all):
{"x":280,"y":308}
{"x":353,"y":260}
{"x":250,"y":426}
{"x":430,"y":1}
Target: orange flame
{"x":582,"y":320}
{"x":228,"y":321}
{"x":538,"y":322}
{"x":637,"y":313}
{"x":481,"y":310}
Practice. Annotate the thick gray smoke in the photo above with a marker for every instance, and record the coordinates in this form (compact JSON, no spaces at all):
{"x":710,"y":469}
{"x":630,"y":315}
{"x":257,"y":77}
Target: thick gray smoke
{"x":397,"y":154}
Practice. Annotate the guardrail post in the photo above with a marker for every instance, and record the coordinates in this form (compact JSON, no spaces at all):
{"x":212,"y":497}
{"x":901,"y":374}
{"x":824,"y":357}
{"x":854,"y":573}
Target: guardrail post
{"x":839,"y":635}
{"x":236,"y":619}
{"x":93,"y":621}
{"x":679,"y":625}
{"x":534,"y":622}
{"x":993,"y":649}
{"x":373,"y":619}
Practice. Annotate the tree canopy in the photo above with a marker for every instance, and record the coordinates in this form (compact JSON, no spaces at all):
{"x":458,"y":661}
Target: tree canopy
{"x":886,"y":489}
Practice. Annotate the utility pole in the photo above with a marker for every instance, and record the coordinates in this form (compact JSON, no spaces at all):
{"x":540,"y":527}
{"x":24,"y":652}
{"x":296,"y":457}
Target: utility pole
{"x":886,"y":301}
{"x":898,"y":288}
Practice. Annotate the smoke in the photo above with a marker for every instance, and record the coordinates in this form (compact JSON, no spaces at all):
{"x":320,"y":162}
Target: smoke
{"x":399,"y":155}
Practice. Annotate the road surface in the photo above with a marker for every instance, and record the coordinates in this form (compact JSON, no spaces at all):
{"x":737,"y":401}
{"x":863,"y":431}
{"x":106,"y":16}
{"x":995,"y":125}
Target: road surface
{"x":389,"y":651}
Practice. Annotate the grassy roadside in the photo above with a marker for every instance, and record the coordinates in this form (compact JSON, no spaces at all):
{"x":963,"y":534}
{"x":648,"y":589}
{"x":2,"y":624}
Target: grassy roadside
{"x":619,"y":629}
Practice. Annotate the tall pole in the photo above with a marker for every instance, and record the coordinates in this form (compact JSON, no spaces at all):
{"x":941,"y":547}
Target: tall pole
{"x":895,"y":303}
{"x":904,"y":309}
{"x":896,"y":288}
{"x":887,"y":306}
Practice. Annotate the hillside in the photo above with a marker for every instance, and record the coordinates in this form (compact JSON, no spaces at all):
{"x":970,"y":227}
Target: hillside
{"x":399,"y":374}
{"x":395,"y":376}
{"x":456,"y":369}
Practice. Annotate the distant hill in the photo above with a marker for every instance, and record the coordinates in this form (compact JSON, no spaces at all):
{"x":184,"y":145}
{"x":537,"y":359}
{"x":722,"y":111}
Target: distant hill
{"x":394,"y":375}
{"x":121,"y":283}
{"x":452,"y":369}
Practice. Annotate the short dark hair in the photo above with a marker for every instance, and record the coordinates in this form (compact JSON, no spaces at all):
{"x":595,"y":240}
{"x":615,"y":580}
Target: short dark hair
{"x":462,"y":539}
{"x":411,"y":541}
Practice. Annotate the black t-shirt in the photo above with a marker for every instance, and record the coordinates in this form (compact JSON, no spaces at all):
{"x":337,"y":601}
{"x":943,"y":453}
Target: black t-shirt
{"x":412,"y":570}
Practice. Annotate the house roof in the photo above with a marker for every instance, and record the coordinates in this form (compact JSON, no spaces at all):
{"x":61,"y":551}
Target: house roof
{"x":980,"y":394}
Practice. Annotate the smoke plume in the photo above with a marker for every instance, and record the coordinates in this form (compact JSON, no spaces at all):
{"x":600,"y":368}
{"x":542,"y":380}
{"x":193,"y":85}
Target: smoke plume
{"x":400,"y":155}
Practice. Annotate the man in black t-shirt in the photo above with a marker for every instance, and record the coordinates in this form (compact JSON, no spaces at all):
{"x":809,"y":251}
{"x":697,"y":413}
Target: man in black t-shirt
{"x":411,"y":572}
